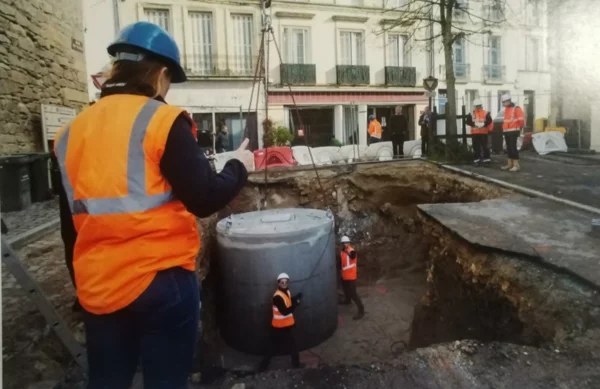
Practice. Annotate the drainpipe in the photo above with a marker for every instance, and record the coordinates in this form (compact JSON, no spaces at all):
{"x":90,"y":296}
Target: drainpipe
{"x":116,"y":17}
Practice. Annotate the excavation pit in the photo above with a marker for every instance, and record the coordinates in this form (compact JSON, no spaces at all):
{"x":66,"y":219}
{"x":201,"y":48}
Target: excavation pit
{"x":399,"y":269}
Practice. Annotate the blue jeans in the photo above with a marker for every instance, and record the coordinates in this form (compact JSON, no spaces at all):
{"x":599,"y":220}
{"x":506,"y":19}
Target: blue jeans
{"x":159,"y":328}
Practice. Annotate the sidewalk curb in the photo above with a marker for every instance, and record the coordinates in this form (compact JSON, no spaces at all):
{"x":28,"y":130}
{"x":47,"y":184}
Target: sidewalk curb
{"x":520,"y":189}
{"x":34,"y":234}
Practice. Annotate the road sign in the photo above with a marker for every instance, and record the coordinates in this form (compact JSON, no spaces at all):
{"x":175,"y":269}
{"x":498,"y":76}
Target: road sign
{"x":54,"y":117}
{"x":430,"y":83}
{"x":430,"y":94}
{"x":98,"y":80}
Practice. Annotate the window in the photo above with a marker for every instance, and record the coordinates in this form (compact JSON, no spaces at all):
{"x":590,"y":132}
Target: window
{"x":352,"y":48}
{"x":295,"y":45}
{"x":159,"y":17}
{"x":496,"y":11}
{"x":532,"y":53}
{"x":533,"y":12}
{"x":397,"y":50}
{"x":495,"y":58}
{"x":242,"y":43}
{"x":202,"y":40}
{"x":460,"y":10}
{"x":460,"y":65}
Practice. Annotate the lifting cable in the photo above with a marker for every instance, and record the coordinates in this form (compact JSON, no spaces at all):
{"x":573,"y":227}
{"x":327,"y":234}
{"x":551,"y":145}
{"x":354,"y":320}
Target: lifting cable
{"x":261,"y":72}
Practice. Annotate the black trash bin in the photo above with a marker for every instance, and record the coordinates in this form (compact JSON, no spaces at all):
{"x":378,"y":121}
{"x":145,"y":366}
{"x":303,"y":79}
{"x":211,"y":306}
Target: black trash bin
{"x":15,"y":183}
{"x":38,"y":173}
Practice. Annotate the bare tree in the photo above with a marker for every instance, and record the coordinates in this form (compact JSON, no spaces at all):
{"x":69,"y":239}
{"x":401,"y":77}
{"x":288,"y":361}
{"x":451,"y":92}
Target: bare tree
{"x":446,"y":21}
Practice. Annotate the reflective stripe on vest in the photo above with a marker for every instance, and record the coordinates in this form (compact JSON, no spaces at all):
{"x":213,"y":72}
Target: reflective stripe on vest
{"x":280,"y":320}
{"x":512,"y":124}
{"x":136,"y":199}
{"x":349,"y":271}
{"x":479,"y":117}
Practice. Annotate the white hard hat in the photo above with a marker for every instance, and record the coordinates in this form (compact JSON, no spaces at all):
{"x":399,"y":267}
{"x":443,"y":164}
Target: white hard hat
{"x":345,"y":239}
{"x":477,"y":102}
{"x":505,"y":97}
{"x":282,"y":276}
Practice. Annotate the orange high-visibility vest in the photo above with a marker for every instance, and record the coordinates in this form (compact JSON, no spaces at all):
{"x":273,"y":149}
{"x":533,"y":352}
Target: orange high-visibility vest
{"x":514,"y":119}
{"x":280,"y":320}
{"x":375,"y":129}
{"x":479,"y":116}
{"x":349,"y":272}
{"x":129,"y":225}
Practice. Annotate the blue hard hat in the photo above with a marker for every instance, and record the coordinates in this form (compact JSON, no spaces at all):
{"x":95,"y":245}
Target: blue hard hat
{"x":371,"y":117}
{"x":152,"y":39}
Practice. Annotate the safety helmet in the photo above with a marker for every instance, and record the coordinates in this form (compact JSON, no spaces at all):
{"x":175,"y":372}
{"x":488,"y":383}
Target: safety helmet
{"x":141,"y":38}
{"x":345,"y":239}
{"x":282,"y":276}
{"x":371,"y":117}
{"x":505,"y":97}
{"x":477,"y":102}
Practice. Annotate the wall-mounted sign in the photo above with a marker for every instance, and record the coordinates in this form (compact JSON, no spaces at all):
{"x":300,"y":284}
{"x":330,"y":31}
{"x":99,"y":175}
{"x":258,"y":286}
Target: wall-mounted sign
{"x":77,"y":45}
{"x":54,"y":117}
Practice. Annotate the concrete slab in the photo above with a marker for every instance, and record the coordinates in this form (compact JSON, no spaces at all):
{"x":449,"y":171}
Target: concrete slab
{"x":546,"y":231}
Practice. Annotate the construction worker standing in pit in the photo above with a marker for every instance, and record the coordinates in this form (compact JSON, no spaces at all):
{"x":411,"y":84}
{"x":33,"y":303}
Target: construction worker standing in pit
{"x":282,"y":324}
{"x":481,"y":124}
{"x":134,"y":181}
{"x":348,"y":261}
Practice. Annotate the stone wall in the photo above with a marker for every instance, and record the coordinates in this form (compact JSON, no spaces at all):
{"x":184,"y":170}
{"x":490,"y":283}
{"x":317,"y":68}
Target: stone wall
{"x":38,"y":65}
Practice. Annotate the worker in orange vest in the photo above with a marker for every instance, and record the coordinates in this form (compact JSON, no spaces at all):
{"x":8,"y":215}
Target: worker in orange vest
{"x":514,"y":121}
{"x":480,"y":122}
{"x":134,"y":181}
{"x":282,"y":324}
{"x":348,"y":260}
{"x":374,"y":130}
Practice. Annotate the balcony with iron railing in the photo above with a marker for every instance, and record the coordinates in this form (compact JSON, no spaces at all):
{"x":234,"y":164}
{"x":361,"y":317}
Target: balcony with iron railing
{"x":298,"y":74}
{"x":220,"y":66}
{"x":494,"y":74}
{"x":353,"y":74}
{"x":400,"y":76}
{"x":462,"y":72}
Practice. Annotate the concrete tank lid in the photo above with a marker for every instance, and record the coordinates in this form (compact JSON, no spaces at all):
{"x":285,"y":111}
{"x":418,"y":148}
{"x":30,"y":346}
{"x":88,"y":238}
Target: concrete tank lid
{"x":274,"y":222}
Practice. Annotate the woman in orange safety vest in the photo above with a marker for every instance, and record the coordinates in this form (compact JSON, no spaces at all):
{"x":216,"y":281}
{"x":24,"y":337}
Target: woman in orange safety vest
{"x":282,"y":324}
{"x":133,"y":183}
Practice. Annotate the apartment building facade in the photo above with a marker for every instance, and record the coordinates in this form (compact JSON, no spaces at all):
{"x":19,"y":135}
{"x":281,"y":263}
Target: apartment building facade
{"x":342,"y":60}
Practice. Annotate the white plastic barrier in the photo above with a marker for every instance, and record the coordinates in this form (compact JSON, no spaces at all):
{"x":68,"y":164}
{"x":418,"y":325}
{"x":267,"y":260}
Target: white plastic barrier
{"x":412,"y":148}
{"x":549,"y":142}
{"x":381,"y":151}
{"x":326,"y":155}
{"x":301,"y":155}
{"x":222,"y":158}
{"x":352,"y":153}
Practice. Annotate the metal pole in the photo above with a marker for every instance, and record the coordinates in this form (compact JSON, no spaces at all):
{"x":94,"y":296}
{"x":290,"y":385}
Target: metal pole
{"x":241,"y":124}
{"x":214,"y":132}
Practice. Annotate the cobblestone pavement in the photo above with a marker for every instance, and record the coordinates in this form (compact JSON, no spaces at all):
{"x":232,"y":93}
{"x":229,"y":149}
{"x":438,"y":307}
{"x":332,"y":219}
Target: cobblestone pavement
{"x":31,"y":352}
{"x":37,"y":214}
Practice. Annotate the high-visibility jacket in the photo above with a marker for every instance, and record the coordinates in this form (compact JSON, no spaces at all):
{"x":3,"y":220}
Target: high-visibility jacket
{"x":479,"y":116}
{"x":129,"y":225}
{"x":348,"y":264}
{"x":514,"y":119}
{"x":280,"y":320}
{"x":375,"y":129}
